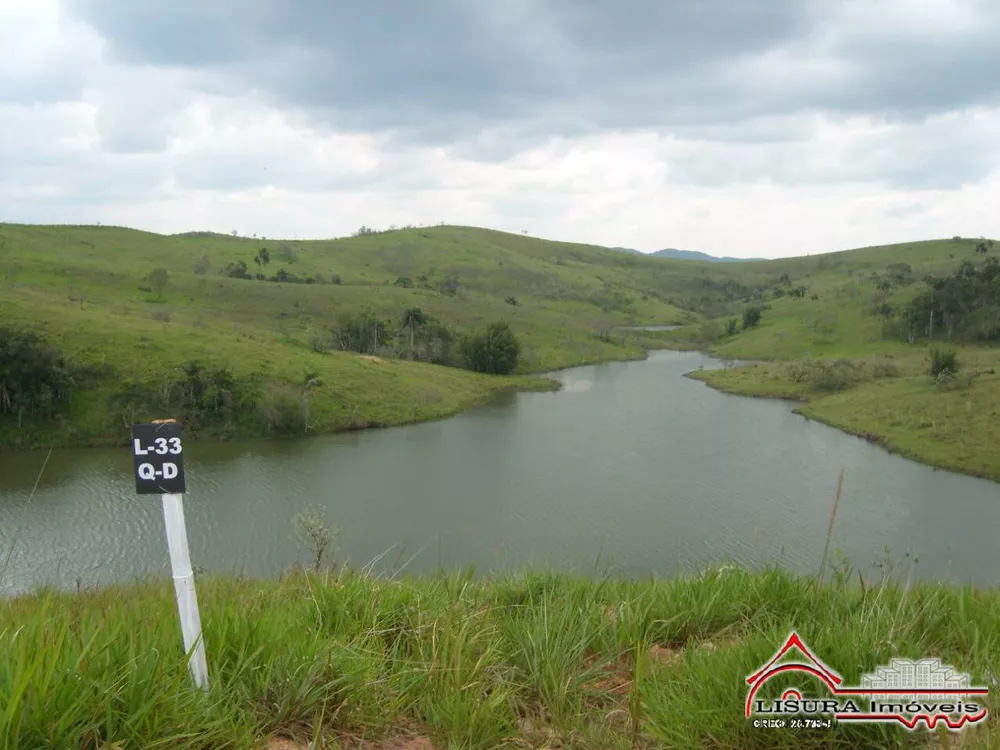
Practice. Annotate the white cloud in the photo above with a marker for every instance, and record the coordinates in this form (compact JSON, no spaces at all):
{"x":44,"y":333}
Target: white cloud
{"x":173,"y":147}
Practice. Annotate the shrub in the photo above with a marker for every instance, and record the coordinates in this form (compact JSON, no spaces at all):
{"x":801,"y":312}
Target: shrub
{"x":710,"y":331}
{"x":732,"y":327}
{"x":883,"y":368}
{"x":493,"y":351}
{"x":949,"y":381}
{"x":751,"y":317}
{"x":279,"y":409}
{"x":319,"y":341}
{"x":835,"y":376}
{"x":202,"y":264}
{"x":403,"y":281}
{"x":942,"y":361}
{"x":511,"y":300}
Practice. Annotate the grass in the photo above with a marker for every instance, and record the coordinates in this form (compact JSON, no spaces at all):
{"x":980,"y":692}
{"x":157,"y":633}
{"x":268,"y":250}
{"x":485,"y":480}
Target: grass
{"x":534,"y":659}
{"x":87,"y":291}
{"x":832,"y":355}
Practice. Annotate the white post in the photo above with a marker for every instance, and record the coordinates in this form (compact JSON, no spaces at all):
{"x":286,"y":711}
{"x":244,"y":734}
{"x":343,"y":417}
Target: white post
{"x":187,"y":600}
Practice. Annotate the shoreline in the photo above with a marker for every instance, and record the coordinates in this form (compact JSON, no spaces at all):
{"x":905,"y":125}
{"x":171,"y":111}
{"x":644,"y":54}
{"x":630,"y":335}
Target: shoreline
{"x":544,"y":382}
{"x":549,"y":384}
{"x":801,"y":408}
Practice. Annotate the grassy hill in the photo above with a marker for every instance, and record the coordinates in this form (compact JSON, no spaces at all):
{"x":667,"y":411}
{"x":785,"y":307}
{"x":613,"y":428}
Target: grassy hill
{"x":87,"y":290}
{"x":855,"y":371}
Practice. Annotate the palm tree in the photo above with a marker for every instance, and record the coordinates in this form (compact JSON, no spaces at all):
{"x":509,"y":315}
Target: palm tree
{"x":262,"y":258}
{"x":413,"y":318}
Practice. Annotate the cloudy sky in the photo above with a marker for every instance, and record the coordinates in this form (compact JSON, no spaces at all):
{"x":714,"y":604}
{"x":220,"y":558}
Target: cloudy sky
{"x":735,"y":127}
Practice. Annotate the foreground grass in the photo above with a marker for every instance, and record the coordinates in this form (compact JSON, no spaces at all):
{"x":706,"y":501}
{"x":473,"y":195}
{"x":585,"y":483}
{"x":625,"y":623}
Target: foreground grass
{"x":524,"y":661}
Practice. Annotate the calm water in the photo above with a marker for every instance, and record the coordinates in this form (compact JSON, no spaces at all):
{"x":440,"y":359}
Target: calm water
{"x":631,"y":469}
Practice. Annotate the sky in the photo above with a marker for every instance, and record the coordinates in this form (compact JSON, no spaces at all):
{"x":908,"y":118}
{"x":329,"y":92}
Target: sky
{"x":748,"y":128}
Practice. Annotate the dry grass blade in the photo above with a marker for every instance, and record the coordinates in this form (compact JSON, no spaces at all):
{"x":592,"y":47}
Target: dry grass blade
{"x":829,"y":531}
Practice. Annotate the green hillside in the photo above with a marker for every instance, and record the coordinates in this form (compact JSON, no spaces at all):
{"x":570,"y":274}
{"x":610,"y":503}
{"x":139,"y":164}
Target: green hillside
{"x":859,"y":371}
{"x":241,"y":357}
{"x":89,"y":292}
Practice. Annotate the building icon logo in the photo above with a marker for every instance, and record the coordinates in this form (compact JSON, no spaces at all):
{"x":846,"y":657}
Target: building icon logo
{"x":913,"y":693}
{"x":926,"y":674}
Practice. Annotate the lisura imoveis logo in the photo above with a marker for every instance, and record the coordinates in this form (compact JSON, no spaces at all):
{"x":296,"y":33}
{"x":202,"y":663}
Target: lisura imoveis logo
{"x":911,"y":693}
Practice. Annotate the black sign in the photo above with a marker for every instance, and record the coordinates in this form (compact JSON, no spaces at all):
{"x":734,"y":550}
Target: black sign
{"x":159,"y":462}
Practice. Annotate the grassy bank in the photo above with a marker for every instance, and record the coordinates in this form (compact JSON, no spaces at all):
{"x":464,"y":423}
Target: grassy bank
{"x":858,"y":373}
{"x":523,"y":661}
{"x":92,"y":292}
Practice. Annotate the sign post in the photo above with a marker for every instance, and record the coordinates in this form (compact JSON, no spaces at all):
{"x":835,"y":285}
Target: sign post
{"x":159,"y":470}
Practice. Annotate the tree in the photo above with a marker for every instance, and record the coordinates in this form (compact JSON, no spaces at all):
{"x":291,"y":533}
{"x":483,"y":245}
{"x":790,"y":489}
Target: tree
{"x":34,"y":378}
{"x":751,"y":317}
{"x":237,"y":270}
{"x":982,"y":248}
{"x":262,"y":258}
{"x":202,"y":264}
{"x":494,"y":351}
{"x":412,"y":319}
{"x":159,"y":278}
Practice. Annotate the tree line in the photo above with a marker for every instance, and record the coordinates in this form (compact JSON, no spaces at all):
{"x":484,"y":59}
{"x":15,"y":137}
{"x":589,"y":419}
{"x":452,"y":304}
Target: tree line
{"x":416,"y":335}
{"x":37,"y":380}
{"x":964,"y":305}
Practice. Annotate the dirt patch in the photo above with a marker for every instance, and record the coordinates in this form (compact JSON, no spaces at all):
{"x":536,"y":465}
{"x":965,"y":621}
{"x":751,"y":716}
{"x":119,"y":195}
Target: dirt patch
{"x":403,"y":742}
{"x":373,"y":358}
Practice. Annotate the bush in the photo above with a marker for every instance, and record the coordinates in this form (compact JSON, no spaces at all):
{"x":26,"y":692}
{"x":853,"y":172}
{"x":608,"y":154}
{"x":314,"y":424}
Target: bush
{"x":827,"y":376}
{"x":511,"y":300}
{"x":883,"y":368}
{"x":751,"y":317}
{"x":202,"y":265}
{"x":732,"y":327}
{"x":834,"y":376}
{"x":710,"y":331}
{"x":404,"y":281}
{"x":319,"y":341}
{"x":494,"y":351}
{"x":279,"y":409}
{"x":942,"y":361}
{"x":949,"y":381}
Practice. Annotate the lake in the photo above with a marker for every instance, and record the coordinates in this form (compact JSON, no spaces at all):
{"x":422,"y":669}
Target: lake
{"x":631,"y":469}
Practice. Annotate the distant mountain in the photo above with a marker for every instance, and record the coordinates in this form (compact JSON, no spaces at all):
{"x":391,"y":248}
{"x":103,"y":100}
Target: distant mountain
{"x":671,"y":252}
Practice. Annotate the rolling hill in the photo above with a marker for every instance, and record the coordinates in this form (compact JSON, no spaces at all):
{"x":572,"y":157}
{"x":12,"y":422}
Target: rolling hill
{"x":156,"y":323}
{"x":89,"y":291}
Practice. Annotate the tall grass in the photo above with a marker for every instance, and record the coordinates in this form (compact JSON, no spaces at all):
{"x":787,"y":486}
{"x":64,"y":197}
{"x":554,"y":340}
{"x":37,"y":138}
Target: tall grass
{"x":472,"y":663}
